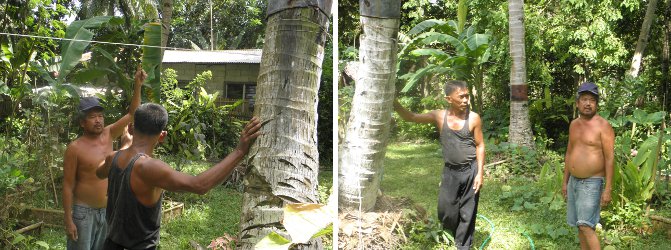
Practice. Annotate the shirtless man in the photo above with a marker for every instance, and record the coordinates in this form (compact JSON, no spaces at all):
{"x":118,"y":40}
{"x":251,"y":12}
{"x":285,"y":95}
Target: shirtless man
{"x":84,"y":195}
{"x":589,"y":158}
{"x":464,"y":156}
{"x":137,"y":180}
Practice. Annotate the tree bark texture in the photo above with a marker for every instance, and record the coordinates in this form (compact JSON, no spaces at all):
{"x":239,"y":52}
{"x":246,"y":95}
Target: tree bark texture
{"x":166,"y":19}
{"x":362,"y":152}
{"x":520,"y":128}
{"x":643,"y":38}
{"x":284,"y":161}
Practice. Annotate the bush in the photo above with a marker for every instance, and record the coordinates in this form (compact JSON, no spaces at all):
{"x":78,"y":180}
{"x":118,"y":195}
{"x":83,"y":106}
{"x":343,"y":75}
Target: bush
{"x":197,"y":128}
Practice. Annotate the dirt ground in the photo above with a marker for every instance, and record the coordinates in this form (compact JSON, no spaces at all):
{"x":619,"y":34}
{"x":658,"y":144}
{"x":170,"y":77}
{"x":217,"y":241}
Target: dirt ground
{"x":382,"y":228}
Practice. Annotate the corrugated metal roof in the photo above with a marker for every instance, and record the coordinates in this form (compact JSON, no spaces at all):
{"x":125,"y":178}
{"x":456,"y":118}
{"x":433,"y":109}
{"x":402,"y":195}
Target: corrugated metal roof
{"x":213,"y":56}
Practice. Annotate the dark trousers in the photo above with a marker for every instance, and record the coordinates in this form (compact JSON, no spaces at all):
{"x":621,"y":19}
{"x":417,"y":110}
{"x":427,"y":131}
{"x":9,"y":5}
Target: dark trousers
{"x":458,"y":203}
{"x":111,"y":245}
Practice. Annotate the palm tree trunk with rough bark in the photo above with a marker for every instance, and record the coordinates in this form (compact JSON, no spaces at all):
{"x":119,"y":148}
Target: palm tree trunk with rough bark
{"x":284,"y":161}
{"x":362,"y":152}
{"x":520,"y":127}
{"x":166,"y":18}
{"x":643,"y":38}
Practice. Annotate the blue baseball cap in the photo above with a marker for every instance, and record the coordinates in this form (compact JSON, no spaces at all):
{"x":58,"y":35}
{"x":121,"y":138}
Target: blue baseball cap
{"x":588,"y":87}
{"x":88,"y":103}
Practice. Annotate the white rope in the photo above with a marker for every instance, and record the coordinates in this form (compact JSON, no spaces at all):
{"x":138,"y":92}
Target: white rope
{"x":91,"y":41}
{"x":113,"y":43}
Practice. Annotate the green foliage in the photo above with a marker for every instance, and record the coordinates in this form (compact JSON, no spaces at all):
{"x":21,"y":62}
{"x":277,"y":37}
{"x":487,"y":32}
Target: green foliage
{"x":431,"y":233}
{"x":236,"y":24}
{"x":13,"y":157}
{"x":151,"y":59}
{"x":449,"y":50}
{"x":325,"y":109}
{"x":71,"y":51}
{"x":625,"y":215}
{"x":519,"y":161}
{"x":12,"y":240}
{"x":197,"y":128}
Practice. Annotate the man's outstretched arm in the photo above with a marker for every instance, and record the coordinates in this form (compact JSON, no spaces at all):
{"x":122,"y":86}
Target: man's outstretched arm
{"x":117,"y":128}
{"x":406,"y":115}
{"x":158,"y":174}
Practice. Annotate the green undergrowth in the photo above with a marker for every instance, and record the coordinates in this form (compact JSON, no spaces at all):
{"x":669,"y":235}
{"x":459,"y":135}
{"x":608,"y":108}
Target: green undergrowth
{"x":205,"y":217}
{"x":521,"y":209}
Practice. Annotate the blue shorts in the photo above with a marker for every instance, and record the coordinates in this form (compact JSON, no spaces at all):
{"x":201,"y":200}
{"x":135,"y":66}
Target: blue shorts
{"x":584,"y":201}
{"x":91,"y":227}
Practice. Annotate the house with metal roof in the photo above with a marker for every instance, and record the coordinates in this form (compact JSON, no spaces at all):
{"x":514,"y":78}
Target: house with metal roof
{"x":234,"y":73}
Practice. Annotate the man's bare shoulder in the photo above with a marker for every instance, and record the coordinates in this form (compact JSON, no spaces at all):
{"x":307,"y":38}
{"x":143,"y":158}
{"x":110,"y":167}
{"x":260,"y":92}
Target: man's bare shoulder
{"x":474,"y":116}
{"x":151,"y":165}
{"x":437,"y":115}
{"x":75,"y":145}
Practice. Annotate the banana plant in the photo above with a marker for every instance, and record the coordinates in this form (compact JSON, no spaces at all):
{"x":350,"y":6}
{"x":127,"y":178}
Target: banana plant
{"x":636,"y":168}
{"x":14,"y":63}
{"x":151,"y":59}
{"x":445,"y":48}
{"x":103,"y":62}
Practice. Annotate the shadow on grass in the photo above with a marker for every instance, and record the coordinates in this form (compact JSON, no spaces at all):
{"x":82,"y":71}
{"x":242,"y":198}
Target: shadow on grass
{"x":414,"y":171}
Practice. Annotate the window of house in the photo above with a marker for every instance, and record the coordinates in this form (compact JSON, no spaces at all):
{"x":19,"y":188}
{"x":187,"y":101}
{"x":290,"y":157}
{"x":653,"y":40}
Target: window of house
{"x":245,"y":91}
{"x":234,"y":91}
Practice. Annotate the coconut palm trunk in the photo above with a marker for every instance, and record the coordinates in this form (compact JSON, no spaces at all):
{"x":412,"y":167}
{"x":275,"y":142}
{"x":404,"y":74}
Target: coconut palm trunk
{"x":166,"y":19}
{"x":643,"y":36}
{"x":362,"y":152}
{"x":520,"y":128}
{"x":284,"y":161}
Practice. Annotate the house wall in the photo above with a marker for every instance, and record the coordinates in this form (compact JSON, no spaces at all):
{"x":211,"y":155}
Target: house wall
{"x":221,"y":73}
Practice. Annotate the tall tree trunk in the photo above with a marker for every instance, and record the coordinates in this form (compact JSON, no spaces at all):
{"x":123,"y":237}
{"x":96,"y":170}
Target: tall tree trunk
{"x":166,"y":19}
{"x":666,"y":32}
{"x":284,"y":161}
{"x":520,"y":127}
{"x":364,"y":147}
{"x":643,"y":38}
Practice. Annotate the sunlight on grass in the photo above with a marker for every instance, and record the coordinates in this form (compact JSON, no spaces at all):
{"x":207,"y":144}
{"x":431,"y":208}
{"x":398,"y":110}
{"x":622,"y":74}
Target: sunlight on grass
{"x":414,"y":171}
{"x":205,"y":217}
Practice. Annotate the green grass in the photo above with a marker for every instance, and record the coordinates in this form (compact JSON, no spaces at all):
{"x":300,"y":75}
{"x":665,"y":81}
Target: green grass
{"x":414,"y":170}
{"x":205,"y":217}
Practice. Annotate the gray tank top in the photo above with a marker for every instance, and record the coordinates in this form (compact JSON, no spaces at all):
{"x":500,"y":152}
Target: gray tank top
{"x":458,"y":145}
{"x":130,"y":224}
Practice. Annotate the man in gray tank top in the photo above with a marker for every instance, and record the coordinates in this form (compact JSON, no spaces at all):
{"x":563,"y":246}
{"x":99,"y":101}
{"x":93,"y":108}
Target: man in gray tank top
{"x":464,"y":156}
{"x":137,"y":180}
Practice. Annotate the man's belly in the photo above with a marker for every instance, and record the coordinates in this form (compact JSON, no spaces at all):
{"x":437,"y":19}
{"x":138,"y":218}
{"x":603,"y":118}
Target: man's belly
{"x":91,"y":193}
{"x":586,"y":165}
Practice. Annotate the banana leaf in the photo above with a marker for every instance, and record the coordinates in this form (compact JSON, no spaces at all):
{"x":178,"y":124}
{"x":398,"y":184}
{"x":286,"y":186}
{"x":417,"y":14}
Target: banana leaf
{"x":71,"y":51}
{"x":424,"y":25}
{"x":151,"y":59}
{"x":428,"y":52}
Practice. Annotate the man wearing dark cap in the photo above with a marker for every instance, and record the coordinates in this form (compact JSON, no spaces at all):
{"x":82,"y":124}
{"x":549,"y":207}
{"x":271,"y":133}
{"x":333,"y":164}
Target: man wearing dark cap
{"x":84,"y":195}
{"x":588,"y":166}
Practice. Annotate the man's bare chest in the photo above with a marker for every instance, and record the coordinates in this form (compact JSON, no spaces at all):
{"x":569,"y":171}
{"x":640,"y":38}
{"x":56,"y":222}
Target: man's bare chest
{"x":92,"y":156}
{"x":586,"y":136}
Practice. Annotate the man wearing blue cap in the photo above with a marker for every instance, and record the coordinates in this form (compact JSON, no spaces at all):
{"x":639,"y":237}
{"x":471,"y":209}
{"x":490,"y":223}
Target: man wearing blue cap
{"x":588,"y":164}
{"x":84,"y":195}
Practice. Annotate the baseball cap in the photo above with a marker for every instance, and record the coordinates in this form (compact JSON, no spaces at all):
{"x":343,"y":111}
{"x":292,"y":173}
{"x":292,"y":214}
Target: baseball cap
{"x":588,"y":87}
{"x":87,"y":103}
